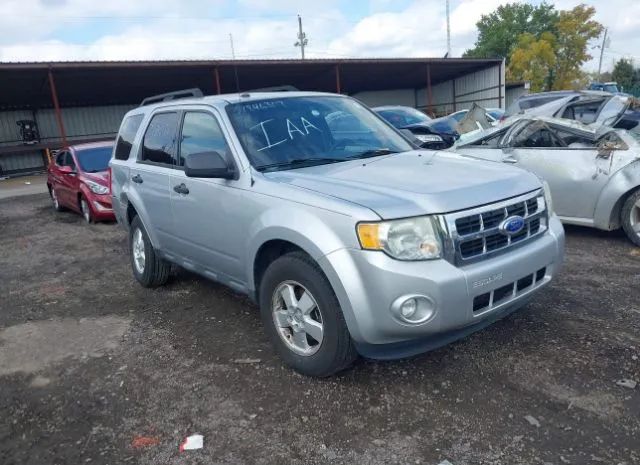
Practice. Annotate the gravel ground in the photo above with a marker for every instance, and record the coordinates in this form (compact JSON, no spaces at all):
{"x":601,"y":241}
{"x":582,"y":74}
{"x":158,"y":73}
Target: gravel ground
{"x":96,"y":369}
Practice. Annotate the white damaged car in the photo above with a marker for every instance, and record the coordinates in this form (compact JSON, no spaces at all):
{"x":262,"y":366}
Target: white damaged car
{"x":593,"y":170}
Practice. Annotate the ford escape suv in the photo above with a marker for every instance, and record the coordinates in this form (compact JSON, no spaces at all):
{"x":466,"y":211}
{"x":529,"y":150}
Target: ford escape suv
{"x":350,"y":239}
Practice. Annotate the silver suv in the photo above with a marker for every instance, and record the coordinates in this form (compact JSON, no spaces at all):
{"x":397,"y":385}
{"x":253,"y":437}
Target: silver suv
{"x":350,"y":239}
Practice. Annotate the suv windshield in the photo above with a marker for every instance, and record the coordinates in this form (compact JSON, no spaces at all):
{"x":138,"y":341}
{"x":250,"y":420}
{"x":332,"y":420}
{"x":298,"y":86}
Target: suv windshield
{"x":294,"y":132}
{"x":403,"y":117}
{"x":94,"y":160}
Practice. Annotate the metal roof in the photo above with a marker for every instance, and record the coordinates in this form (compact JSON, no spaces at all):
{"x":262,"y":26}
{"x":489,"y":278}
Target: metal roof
{"x":25,"y":85}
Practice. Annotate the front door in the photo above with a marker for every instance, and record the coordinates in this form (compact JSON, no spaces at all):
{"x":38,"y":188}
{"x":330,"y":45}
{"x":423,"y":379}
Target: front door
{"x":68,"y":184}
{"x":208,"y":222}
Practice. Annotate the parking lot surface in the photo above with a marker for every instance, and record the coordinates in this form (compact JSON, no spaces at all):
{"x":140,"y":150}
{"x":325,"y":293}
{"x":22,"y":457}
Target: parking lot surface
{"x":96,"y":369}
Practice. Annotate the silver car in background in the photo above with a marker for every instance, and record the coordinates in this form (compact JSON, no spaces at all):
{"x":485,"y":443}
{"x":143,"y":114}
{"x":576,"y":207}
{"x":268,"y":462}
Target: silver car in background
{"x":593,"y":170}
{"x":350,"y":239}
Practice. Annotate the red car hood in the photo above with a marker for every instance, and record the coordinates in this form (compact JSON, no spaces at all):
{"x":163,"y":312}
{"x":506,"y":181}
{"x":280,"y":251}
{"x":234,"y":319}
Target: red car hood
{"x":101,"y":177}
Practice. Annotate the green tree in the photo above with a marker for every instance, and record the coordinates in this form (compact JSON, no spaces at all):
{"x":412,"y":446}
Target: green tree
{"x":533,"y":60}
{"x":498,"y":32}
{"x":623,"y":73}
{"x":575,"y":28}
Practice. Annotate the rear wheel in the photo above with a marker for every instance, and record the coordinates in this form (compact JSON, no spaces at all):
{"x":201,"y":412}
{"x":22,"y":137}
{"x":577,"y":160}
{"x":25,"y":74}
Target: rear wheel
{"x":54,"y":199}
{"x":86,"y":210}
{"x":303,"y":318}
{"x":630,"y":217}
{"x":148,"y":268}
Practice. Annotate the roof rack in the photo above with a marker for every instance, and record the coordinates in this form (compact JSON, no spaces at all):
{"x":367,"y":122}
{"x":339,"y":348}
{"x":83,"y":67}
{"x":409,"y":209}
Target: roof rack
{"x":284,"y":88}
{"x":176,"y":95}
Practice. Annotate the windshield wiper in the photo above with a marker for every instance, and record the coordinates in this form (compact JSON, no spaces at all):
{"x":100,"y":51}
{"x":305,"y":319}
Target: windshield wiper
{"x":298,"y":162}
{"x":372,"y":153}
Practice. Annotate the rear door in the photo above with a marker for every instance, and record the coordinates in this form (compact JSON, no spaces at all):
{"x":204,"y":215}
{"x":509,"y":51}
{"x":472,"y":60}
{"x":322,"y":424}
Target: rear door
{"x":207,"y":213}
{"x":150,"y":176}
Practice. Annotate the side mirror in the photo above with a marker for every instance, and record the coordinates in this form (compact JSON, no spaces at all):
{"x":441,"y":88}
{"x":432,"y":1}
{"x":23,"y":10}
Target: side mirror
{"x":208,"y":165}
{"x":66,"y":170}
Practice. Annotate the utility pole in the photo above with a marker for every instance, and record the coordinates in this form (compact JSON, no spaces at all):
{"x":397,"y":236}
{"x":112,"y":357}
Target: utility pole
{"x":302,"y":38}
{"x":235,"y":67}
{"x":604,"y":42}
{"x":448,"y":32}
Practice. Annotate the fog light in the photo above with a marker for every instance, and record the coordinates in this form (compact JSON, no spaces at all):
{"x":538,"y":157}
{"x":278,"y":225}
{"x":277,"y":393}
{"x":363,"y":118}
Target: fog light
{"x":409,"y":308}
{"x":413,"y":309}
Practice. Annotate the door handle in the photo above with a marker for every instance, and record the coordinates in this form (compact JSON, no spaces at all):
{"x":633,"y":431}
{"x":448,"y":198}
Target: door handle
{"x":137,"y":179}
{"x":509,"y":160}
{"x":181,"y":189}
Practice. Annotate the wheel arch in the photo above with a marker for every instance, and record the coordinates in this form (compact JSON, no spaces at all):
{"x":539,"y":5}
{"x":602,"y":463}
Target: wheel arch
{"x":609,"y":205}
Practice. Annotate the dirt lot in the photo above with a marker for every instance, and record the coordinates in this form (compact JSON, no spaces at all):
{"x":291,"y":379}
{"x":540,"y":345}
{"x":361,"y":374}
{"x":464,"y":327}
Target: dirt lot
{"x":94,"y":368}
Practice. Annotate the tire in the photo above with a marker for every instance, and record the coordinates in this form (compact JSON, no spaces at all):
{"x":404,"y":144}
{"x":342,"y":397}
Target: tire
{"x":54,"y":199}
{"x":630,"y":217}
{"x":151,"y":271}
{"x":297,"y":272}
{"x":85,"y":209}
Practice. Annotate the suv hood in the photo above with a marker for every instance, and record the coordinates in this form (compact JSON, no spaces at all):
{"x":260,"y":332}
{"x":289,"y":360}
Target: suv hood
{"x":414,"y":183}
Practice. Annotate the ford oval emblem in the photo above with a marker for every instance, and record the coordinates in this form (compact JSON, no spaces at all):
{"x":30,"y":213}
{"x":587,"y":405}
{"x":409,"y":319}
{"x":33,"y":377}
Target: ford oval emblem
{"x":512,"y":225}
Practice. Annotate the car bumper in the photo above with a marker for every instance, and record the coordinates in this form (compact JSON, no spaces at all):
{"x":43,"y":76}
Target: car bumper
{"x":101,"y":207}
{"x":368,"y":283}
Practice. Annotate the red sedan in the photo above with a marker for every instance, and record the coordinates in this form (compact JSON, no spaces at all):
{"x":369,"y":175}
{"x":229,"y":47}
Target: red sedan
{"x":78,"y":180}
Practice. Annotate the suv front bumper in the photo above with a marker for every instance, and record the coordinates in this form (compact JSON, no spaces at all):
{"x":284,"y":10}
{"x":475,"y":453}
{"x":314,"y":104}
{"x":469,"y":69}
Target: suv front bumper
{"x":367,"y":283}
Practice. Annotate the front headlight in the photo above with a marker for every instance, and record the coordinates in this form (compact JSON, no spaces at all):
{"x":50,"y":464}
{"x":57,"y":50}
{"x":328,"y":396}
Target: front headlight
{"x":428,"y":137}
{"x":547,"y":197}
{"x":417,"y":238}
{"x":97,"y":188}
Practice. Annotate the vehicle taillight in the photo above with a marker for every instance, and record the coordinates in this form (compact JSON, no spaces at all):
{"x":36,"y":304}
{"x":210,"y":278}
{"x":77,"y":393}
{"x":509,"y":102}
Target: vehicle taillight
{"x":109,"y":178}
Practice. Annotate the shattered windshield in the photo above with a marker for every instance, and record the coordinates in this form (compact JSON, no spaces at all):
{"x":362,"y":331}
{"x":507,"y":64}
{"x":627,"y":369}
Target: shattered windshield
{"x":295,"y":132}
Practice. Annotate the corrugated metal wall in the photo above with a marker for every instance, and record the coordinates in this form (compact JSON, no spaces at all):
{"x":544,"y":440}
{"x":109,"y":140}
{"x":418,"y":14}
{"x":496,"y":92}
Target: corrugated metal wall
{"x":12,"y":163}
{"x":514,"y":92}
{"x":378,"y":98}
{"x":485,"y":87}
{"x":80,"y":123}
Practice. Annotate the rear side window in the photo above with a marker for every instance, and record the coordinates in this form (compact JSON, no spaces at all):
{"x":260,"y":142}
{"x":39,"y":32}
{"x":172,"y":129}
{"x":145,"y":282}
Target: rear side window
{"x":126,"y":136}
{"x":159,"y":143}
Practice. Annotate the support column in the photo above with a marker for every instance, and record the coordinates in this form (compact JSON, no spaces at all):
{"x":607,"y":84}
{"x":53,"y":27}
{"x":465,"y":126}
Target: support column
{"x":500,"y":84}
{"x":216,"y":75}
{"x":338,"y":83}
{"x":56,"y":106}
{"x":429,"y":94}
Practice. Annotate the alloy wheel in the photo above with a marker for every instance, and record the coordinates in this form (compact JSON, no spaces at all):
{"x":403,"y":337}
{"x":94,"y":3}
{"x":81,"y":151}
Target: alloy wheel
{"x":297,"y":318}
{"x":86,"y":212}
{"x":137,"y":248}
{"x":54,"y":197}
{"x":635,"y":217}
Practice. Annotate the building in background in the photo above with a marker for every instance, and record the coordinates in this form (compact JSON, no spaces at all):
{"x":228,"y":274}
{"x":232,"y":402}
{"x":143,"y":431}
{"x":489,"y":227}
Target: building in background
{"x":85,"y":101}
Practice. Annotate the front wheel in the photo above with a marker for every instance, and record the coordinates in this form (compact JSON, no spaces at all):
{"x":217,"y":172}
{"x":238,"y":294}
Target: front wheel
{"x":148,"y":268}
{"x":86,"y":210}
{"x":631,"y":217}
{"x":302,"y":317}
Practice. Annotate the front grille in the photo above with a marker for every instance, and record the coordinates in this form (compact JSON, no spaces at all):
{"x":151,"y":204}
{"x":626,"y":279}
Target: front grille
{"x":477,"y":234}
{"x":488,"y":300}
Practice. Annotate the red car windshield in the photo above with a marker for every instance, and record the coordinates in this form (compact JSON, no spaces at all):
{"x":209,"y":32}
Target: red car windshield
{"x":94,"y":160}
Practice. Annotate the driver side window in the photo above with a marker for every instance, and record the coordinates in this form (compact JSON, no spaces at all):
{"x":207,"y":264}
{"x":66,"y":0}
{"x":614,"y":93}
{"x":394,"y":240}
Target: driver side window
{"x":201,"y":133}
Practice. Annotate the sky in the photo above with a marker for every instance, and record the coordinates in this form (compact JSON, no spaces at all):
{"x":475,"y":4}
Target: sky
{"x":67,"y":30}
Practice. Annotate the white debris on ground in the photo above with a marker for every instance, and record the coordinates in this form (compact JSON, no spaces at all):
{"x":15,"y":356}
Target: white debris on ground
{"x":193,"y":442}
{"x":628,"y":383}
{"x":533,"y":421}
